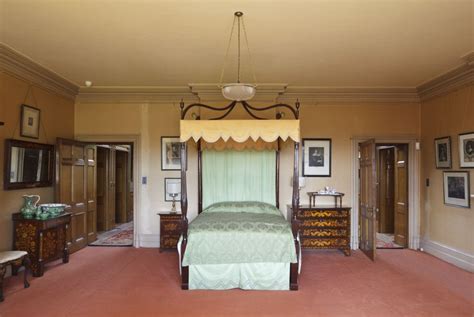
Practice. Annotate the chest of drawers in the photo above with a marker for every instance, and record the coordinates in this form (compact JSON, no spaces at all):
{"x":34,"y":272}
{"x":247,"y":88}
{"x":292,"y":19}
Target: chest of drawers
{"x":170,"y":230}
{"x":44,"y":240}
{"x":324,"y":227}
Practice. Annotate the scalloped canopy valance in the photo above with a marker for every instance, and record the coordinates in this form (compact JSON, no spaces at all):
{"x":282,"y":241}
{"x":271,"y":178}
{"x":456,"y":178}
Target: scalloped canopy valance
{"x":239,"y":131}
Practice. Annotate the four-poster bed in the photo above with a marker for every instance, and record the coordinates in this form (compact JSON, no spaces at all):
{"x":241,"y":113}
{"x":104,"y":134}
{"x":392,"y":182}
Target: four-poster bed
{"x":240,"y":239}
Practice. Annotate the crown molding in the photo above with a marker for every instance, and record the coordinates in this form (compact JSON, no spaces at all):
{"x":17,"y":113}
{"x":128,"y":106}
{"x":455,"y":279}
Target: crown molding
{"x":269,"y":93}
{"x":135,"y":94}
{"x":16,"y":64}
{"x":452,"y":80}
{"x":310,"y":94}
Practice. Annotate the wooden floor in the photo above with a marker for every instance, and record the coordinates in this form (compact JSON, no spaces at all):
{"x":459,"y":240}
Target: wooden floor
{"x":101,"y":281}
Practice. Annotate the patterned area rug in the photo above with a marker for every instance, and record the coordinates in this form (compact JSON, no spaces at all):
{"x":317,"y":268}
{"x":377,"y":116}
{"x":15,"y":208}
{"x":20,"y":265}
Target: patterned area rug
{"x":121,"y":236}
{"x":387,"y":241}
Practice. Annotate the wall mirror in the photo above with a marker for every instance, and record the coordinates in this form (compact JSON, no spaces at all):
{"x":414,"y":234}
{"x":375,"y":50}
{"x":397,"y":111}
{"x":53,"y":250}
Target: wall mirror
{"x":28,"y":164}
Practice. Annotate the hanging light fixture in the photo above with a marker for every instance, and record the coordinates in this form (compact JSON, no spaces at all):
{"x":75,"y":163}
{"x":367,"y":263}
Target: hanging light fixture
{"x":238,"y":91}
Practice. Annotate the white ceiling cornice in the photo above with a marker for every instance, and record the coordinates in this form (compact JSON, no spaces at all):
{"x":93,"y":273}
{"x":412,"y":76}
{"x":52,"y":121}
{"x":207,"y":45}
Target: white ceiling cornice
{"x":17,"y":64}
{"x":14,"y":63}
{"x":135,"y":94}
{"x":454,"y":79}
{"x":349,"y":94}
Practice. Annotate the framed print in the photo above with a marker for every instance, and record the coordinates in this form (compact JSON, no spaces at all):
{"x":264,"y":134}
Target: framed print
{"x":456,"y":189}
{"x":443,"y":152}
{"x":169,"y":188}
{"x":466,"y":150}
{"x":30,"y":122}
{"x":170,"y":153}
{"x":316,"y":157}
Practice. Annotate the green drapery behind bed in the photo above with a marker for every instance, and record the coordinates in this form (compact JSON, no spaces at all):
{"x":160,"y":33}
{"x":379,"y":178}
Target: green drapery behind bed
{"x":238,"y":176}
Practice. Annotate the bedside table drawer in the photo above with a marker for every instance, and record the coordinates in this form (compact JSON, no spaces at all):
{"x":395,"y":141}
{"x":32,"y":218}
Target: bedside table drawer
{"x":305,"y":214}
{"x":318,"y":223}
{"x":324,"y":233}
{"x":317,"y":243}
{"x":171,"y":227}
{"x":168,"y":242}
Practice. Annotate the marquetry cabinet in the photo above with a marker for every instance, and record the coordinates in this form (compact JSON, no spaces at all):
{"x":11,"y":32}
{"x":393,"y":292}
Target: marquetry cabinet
{"x":44,"y":240}
{"x":324,"y":227}
{"x":170,"y":230}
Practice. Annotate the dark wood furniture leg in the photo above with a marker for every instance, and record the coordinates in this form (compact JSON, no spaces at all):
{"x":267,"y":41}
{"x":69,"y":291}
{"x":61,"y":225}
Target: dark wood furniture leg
{"x":3,"y":269}
{"x":66,"y":255}
{"x":26,"y":262}
{"x":15,"y":268}
{"x":38,"y":269}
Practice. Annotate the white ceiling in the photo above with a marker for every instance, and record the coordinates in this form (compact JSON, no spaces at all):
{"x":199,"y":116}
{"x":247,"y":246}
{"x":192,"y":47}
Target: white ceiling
{"x":351,"y":43}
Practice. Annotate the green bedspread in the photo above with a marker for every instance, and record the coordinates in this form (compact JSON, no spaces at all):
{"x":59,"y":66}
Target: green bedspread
{"x":239,"y":237}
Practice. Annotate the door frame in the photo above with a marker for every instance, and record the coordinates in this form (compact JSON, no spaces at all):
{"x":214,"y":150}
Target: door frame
{"x":413,"y":187}
{"x":135,"y":140}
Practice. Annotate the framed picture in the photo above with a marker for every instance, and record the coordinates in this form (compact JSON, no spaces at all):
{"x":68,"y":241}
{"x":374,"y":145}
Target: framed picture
{"x":466,"y":150}
{"x":170,"y":153}
{"x":316,"y":157}
{"x":443,"y":152}
{"x":171,"y":180}
{"x":456,"y":189}
{"x":30,"y":122}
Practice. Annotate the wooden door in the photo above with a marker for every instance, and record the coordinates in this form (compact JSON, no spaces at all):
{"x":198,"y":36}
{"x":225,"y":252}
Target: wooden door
{"x":105,"y":188}
{"x":102,"y":181}
{"x":385,"y":216}
{"x":91,"y":166}
{"x":110,"y":207}
{"x":71,"y":188}
{"x":401,"y":195}
{"x":121,"y":186}
{"x":130,"y":185}
{"x":368,"y":198}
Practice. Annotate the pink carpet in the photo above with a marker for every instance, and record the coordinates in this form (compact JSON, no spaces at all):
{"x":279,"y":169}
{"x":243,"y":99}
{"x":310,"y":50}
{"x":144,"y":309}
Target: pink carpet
{"x":101,"y":281}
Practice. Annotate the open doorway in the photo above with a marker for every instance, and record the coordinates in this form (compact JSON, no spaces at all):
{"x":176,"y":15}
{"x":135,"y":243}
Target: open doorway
{"x":383,"y":196}
{"x":114,"y":195}
{"x":392,"y":204}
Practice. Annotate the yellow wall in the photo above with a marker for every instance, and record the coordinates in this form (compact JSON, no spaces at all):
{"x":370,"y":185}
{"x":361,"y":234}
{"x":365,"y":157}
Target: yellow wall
{"x":57,"y":118}
{"x":151,"y":121}
{"x":448,"y":115}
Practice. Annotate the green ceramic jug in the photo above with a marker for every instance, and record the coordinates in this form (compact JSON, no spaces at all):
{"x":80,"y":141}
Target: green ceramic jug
{"x":29,"y":208}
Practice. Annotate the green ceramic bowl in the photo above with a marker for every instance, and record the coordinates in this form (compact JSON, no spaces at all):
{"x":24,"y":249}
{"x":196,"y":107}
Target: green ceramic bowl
{"x":43,"y":216}
{"x":53,"y":209}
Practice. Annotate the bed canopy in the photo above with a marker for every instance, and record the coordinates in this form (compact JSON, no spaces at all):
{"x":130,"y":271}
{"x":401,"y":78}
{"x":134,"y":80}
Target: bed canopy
{"x":240,"y":131}
{"x":256,"y":134}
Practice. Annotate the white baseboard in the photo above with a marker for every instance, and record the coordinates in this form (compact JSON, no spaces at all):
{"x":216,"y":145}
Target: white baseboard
{"x":460,"y":259}
{"x":149,"y":241}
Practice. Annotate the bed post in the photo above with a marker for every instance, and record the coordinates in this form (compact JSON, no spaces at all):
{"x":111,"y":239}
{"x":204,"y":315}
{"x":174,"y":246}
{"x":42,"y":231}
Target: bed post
{"x":277,"y":176}
{"x":184,"y":218}
{"x":199,"y":177}
{"x":294,"y":221}
{"x":184,"y":209}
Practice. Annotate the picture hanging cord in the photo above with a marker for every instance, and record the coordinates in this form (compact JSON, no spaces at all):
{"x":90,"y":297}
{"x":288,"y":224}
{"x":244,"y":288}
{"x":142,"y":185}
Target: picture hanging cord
{"x":30,"y":88}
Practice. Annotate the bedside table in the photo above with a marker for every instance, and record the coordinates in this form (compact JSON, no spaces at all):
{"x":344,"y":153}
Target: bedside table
{"x":170,"y":231}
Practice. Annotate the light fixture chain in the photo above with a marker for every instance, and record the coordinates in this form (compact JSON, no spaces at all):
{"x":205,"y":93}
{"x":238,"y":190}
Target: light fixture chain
{"x":248,"y":51}
{"x":227,"y":52}
{"x":238,"y":51}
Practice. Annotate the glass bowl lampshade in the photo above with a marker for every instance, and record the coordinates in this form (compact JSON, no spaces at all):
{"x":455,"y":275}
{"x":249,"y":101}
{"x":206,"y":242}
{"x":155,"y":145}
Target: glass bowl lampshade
{"x":238,"y":91}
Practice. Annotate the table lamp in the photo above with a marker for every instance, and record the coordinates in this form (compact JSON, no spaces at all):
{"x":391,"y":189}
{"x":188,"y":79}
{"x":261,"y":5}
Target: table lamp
{"x":173,"y":189}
